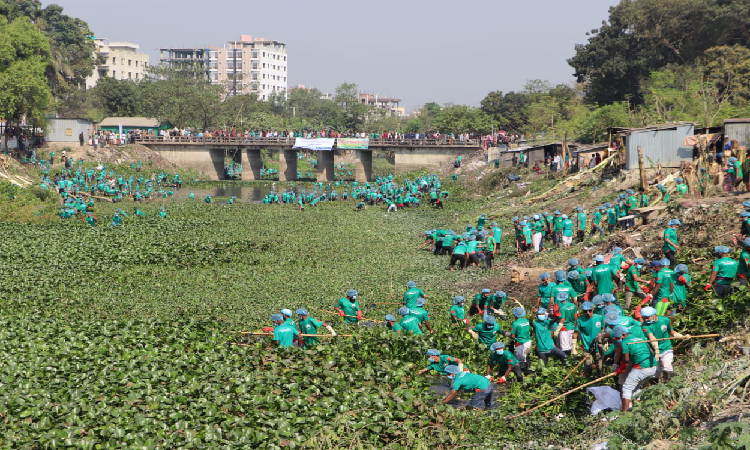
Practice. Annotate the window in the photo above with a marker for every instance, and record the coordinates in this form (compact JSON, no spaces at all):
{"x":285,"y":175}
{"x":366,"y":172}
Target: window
{"x":129,"y":62}
{"x":264,"y":76}
{"x":114,"y":74}
{"x":130,"y":75}
{"x":264,"y":54}
{"x":114,"y":60}
{"x":264,"y":65}
{"x":136,"y":75}
{"x":285,"y":58}
{"x":122,"y":61}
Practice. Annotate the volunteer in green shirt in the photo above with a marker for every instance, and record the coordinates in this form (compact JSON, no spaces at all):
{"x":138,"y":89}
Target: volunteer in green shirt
{"x":537,"y":232}
{"x":472,"y":247}
{"x":495,"y":303}
{"x":390,"y":322}
{"x":588,"y":327}
{"x":611,"y":218}
{"x":580,"y":223}
{"x":632,"y":282}
{"x":458,"y":255}
{"x":603,"y":276}
{"x":479,"y":303}
{"x":447,"y":245}
{"x":543,"y":329}
{"x":438,"y":362}
{"x":283,"y":334}
{"x":505,"y":362}
{"x":420,"y":313}
{"x":308,"y":325}
{"x":567,"y":231}
{"x":578,"y":282}
{"x":597,"y":222}
{"x":643,"y":201}
{"x":557,"y":227}
{"x":723,"y":271}
{"x":671,"y":241}
{"x":409,"y":323}
{"x":563,"y":285}
{"x":545,"y":290}
{"x":521,"y":334}
{"x":487,"y":330}
{"x":660,"y":327}
{"x":497,"y":233}
{"x":663,"y":287}
{"x":457,"y":311}
{"x":681,"y":282}
{"x":471,"y":382}
{"x":412,"y":294}
{"x":489,"y":251}
{"x":526,"y":234}
{"x":633,"y":202}
{"x":348,"y":307}
{"x":643,"y":362}
{"x":743,"y":269}
{"x":566,"y":327}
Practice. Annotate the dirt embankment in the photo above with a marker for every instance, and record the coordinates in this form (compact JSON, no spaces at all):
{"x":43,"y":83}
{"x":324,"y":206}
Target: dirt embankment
{"x":115,"y":154}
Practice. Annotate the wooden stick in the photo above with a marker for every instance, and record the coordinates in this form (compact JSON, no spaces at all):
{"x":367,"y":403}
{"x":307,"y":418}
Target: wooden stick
{"x":256,"y":333}
{"x":563,"y":395}
{"x":362,"y":319}
{"x":672,"y":338}
{"x":386,"y":303}
{"x":571,"y":372}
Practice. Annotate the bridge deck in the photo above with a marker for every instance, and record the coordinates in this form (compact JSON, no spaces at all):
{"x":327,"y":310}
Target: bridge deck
{"x":289,"y":142}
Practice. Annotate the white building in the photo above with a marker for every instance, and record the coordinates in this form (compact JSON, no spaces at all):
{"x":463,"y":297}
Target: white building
{"x":121,"y":61}
{"x":246,"y":66}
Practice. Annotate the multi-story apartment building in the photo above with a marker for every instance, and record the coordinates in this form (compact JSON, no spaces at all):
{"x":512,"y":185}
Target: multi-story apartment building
{"x":245,"y":66}
{"x":119,"y":60}
{"x":389,"y":104}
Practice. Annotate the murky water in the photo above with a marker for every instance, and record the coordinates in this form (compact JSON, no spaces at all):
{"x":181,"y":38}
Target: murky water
{"x":247,"y":194}
{"x":441,"y":387}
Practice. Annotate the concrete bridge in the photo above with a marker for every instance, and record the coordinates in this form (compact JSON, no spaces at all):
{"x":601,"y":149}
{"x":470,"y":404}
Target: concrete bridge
{"x":207,"y":154}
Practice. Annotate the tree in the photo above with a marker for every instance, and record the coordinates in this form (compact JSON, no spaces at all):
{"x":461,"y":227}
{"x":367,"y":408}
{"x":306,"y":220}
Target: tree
{"x":354,"y":112}
{"x":117,"y":97}
{"x":729,"y":68}
{"x":463,"y":119}
{"x":24,"y":55}
{"x":595,"y":127}
{"x":510,"y":110}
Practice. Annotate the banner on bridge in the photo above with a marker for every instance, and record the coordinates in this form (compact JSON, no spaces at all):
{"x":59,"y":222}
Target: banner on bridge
{"x":314,"y":144}
{"x":353,"y":144}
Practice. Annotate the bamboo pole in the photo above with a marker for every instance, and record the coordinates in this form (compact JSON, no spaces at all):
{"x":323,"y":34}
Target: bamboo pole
{"x":563,"y":395}
{"x":261,"y":333}
{"x":641,"y":167}
{"x":363,"y":319}
{"x":571,"y":372}
{"x":673,"y":338}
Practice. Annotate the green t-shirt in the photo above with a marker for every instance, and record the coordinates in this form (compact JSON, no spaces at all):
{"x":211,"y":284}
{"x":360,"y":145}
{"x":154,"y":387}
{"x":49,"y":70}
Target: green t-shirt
{"x":411,"y":296}
{"x":568,"y":312}
{"x":611,"y":216}
{"x":457,"y":313}
{"x":527,"y":234}
{"x":480,"y":301}
{"x":563,"y":286}
{"x":725,"y":268}
{"x":603,"y":274}
{"x":471,"y":246}
{"x":630,"y":275}
{"x":521,"y":330}
{"x":504,"y":360}
{"x":660,"y":328}
{"x":567,"y":227}
{"x":448,"y":240}
{"x":665,"y":277}
{"x":543,"y":332}
{"x":285,"y":334}
{"x":487,"y":336}
{"x":440,"y":365}
{"x":411,"y":324}
{"x":545,"y":290}
{"x":588,"y":328}
{"x":670,"y":234}
{"x":497,"y":233}
{"x":310,"y":326}
{"x":539,"y":226}
{"x":557,"y":224}
{"x":490,"y":243}
{"x":632,"y":325}
{"x":616,"y":261}
{"x":581,"y":221}
{"x":744,"y":265}
{"x":680,"y":288}
{"x":632,"y":202}
{"x":420,"y":313}
{"x":470,"y":382}
{"x":496,"y":301}
{"x":396,"y":327}
{"x":350,"y":309}
{"x":597,"y":218}
{"x":459,"y":249}
{"x":640,"y":354}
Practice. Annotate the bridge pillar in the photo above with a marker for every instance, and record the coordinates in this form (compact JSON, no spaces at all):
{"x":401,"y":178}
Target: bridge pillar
{"x":287,"y":165}
{"x":251,"y":165}
{"x":363,"y":165}
{"x":325,"y":165}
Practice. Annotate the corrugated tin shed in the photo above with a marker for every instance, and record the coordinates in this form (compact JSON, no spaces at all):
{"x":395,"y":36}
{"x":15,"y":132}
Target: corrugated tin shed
{"x":738,"y":129}
{"x":67,"y":130}
{"x":664,"y":144}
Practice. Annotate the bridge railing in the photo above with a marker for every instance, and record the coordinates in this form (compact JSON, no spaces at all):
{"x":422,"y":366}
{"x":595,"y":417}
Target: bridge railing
{"x":289,"y":141}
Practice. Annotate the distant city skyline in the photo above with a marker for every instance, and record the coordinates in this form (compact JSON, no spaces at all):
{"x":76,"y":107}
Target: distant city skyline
{"x":417,"y":51}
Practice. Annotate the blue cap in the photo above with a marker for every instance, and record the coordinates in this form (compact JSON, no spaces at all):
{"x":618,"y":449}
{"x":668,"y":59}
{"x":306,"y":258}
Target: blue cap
{"x":608,"y":298}
{"x":525,"y":217}
{"x":745,"y":214}
{"x":286,"y":312}
{"x":573,"y":275}
{"x":500,"y":294}
{"x":541,"y":310}
{"x":660,"y":186}
{"x":403,"y":310}
{"x":535,"y":216}
{"x":420,"y":301}
{"x":746,"y":242}
{"x":485,"y":291}
{"x":722,"y":249}
{"x":587,"y":306}
{"x":519,"y":312}
{"x":665,"y":262}
{"x":564,"y":216}
{"x":515,"y":218}
{"x":618,"y":332}
{"x":562,"y":296}
{"x":648,"y":311}
{"x":545,"y":214}
{"x":560,"y":275}
{"x":588,"y":272}
{"x":656,"y":263}
{"x":497,"y":346}
{"x":277,"y":318}
{"x":598,"y":300}
{"x":617,"y":250}
{"x":573,"y":262}
{"x":543,"y":276}
{"x":451,"y":369}
{"x":612,"y":318}
{"x":557,"y":212}
{"x":351,"y":293}
{"x":302,"y":312}
{"x":680,"y":180}
{"x":411,"y":284}
{"x":676,"y":222}
{"x":433,"y":352}
{"x":609,"y":309}
{"x":746,"y":203}
{"x":494,"y":224}
{"x":599,"y":258}
{"x":639,"y":261}
{"x":390,"y":318}
{"x":681,"y":268}
{"x":522,"y":223}
{"x":489,"y":320}
{"x":473,"y":238}
{"x":630,"y":191}
{"x":607,"y":205}
{"x":578,"y":208}
{"x":457,"y":299}
{"x":427,"y":233}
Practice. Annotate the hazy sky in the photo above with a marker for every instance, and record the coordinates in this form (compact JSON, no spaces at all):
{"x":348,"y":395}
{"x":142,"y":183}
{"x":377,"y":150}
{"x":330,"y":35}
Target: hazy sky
{"x":416,"y":50}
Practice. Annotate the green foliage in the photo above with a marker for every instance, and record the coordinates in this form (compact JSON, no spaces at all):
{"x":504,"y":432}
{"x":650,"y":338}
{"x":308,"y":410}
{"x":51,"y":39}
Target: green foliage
{"x":594,"y":128}
{"x":119,"y":98}
{"x":463,"y":119}
{"x":34,"y":205}
{"x":509,"y":110}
